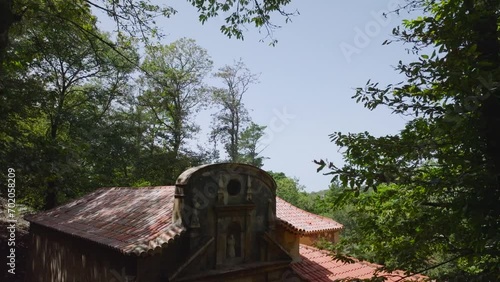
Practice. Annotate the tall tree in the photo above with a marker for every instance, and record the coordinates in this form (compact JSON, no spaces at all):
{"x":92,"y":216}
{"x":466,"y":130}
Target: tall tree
{"x":441,"y":204}
{"x":78,"y":79}
{"x":174,"y":89}
{"x":229,"y":121}
{"x":249,"y":148}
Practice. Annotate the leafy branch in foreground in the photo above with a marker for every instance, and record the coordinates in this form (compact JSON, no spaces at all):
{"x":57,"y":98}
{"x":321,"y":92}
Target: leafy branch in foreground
{"x":137,"y":19}
{"x":242,"y":12}
{"x":437,"y":182}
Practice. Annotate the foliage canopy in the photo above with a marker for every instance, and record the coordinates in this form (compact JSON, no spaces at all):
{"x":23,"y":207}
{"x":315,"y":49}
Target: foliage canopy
{"x":438,"y":180}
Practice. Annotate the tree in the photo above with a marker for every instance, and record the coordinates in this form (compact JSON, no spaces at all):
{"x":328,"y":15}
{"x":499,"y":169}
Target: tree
{"x":249,"y":147}
{"x":137,"y":18}
{"x":78,"y":79}
{"x":290,"y":190}
{"x":441,"y":187}
{"x":174,"y":88}
{"x":232,"y":117}
{"x":132,"y":18}
{"x":71,"y":119}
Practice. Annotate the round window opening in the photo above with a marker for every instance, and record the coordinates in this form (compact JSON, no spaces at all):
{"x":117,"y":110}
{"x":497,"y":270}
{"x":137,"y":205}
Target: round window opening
{"x":233,"y":187}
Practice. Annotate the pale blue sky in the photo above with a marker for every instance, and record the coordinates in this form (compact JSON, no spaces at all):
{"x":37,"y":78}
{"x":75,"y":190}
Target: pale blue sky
{"x":307,"y":76}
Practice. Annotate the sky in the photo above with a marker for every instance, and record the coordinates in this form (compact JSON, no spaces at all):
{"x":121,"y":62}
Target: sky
{"x":307,"y":80}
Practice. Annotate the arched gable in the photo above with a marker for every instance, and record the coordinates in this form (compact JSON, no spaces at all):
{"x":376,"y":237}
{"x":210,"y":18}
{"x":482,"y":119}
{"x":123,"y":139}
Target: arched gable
{"x":184,"y":178}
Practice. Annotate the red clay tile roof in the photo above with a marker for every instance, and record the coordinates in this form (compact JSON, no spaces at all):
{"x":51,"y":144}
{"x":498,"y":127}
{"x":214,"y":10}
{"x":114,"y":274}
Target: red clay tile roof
{"x":303,"y":222}
{"x":318,"y":266}
{"x":139,"y":220}
{"x":130,"y":220}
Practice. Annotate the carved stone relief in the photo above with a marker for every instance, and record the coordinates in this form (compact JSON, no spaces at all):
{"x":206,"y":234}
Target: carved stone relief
{"x":195,"y":221}
{"x":231,"y":253}
{"x":233,"y":240}
{"x":220,"y":191}
{"x":249,"y":189}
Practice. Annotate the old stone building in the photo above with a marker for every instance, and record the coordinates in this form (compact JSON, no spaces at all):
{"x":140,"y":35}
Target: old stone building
{"x":219,"y":222}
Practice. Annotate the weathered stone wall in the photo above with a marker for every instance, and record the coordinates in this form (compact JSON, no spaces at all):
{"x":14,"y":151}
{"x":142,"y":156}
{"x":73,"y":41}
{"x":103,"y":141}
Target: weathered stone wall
{"x":234,"y":204}
{"x":289,"y":241}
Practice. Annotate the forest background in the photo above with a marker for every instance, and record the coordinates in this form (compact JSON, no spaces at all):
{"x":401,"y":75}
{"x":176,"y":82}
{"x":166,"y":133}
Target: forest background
{"x":82,"y":109}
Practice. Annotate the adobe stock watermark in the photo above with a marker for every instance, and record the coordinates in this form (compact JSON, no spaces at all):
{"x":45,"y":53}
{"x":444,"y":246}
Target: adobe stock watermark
{"x":12,"y":221}
{"x":454,"y":115}
{"x":364,"y":36}
{"x":471,"y":103}
{"x":278,"y":123}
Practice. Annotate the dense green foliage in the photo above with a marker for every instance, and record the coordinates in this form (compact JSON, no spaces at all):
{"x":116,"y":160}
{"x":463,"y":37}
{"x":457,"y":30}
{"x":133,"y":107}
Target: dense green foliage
{"x":58,"y":85}
{"x":249,"y":147}
{"x":138,"y":18}
{"x":290,"y":190}
{"x":437,"y":182}
{"x":173,"y":88}
{"x":79,"y":113}
{"x":81,"y":110}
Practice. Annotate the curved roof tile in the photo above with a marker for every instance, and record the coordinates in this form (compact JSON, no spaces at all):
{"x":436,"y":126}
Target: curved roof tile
{"x":139,"y":220}
{"x":301,"y":221}
{"x":319,"y":266}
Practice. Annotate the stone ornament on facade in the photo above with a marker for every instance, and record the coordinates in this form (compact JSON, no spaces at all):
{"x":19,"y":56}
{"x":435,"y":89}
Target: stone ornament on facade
{"x":179,"y":194}
{"x":231,"y":253}
{"x":220,"y":191}
{"x":249,"y":189}
{"x":195,"y":221}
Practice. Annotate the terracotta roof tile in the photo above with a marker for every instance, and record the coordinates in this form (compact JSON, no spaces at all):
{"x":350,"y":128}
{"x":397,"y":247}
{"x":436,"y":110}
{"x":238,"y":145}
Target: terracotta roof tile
{"x":138,"y":220}
{"x":131,"y":220}
{"x":318,"y":266}
{"x":301,"y":221}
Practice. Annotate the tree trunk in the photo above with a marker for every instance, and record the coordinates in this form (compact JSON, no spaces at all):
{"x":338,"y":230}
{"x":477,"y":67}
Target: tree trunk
{"x":486,"y":37}
{"x":50,"y":195}
{"x":7,"y":19}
